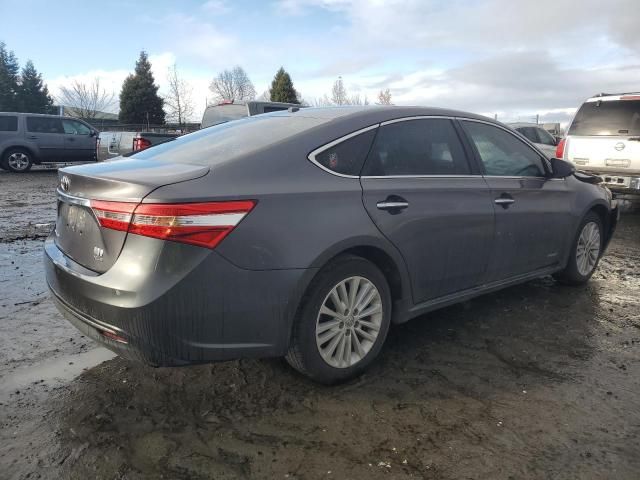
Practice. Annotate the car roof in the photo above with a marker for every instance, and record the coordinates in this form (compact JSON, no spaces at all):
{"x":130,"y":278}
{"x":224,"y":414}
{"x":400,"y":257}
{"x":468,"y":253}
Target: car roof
{"x":608,"y":97}
{"x":378,"y":113}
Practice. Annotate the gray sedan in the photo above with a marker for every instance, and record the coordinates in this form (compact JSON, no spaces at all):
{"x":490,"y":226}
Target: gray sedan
{"x":306,"y":233}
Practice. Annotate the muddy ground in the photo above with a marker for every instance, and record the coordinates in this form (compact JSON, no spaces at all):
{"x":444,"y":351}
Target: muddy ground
{"x":537,"y":381}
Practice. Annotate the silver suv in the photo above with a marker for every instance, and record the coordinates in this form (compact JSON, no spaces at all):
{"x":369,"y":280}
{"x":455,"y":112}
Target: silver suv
{"x":28,"y":139}
{"x":538,"y":136}
{"x":604,"y":138}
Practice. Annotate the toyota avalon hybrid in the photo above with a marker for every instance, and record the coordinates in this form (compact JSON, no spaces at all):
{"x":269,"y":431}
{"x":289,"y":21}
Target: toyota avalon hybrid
{"x":306,"y":233}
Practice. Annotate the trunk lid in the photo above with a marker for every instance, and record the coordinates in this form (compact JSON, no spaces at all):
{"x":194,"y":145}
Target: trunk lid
{"x":78,"y":233}
{"x":619,"y":154}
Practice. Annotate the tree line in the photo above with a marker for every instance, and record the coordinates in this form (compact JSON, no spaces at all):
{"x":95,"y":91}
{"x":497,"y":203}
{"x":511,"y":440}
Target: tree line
{"x":139,"y":100}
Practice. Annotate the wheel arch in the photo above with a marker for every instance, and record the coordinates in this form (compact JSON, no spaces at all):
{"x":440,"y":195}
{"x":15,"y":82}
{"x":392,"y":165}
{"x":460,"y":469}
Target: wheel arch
{"x":382,"y":255}
{"x":29,"y":149}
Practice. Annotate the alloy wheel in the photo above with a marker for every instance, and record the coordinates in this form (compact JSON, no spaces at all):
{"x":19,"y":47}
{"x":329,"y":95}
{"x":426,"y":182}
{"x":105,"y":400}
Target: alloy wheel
{"x":588,"y":249}
{"x":349,"y":322}
{"x":18,"y":161}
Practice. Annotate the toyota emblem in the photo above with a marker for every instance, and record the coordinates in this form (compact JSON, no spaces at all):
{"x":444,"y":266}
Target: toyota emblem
{"x":619,"y":146}
{"x":65,"y":183}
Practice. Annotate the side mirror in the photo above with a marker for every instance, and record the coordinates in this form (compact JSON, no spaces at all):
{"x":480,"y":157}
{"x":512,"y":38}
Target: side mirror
{"x":561,"y":168}
{"x":94,"y":133}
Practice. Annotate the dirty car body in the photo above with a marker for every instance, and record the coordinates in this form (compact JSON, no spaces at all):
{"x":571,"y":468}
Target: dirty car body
{"x":259,"y":207}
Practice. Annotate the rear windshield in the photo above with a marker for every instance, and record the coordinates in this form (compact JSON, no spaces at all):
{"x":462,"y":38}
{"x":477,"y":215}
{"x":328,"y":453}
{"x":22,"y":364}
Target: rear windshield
{"x":223,"y":142}
{"x":223,"y":113}
{"x":614,"y":117}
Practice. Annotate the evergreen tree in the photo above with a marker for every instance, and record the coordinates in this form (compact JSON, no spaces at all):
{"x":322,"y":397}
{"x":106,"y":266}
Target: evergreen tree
{"x":282,"y":88}
{"x":139,"y":99}
{"x":9,"y":69}
{"x":33,"y":94}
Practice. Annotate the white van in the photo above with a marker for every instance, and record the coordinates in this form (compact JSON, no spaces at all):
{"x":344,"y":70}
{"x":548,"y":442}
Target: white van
{"x":604,"y":139}
{"x":234,"y":110}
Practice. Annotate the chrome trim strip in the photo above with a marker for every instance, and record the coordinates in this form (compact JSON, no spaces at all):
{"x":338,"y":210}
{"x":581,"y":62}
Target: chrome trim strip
{"x":416,"y":117}
{"x":66,"y":198}
{"x":380,"y":177}
{"x":312,"y":155}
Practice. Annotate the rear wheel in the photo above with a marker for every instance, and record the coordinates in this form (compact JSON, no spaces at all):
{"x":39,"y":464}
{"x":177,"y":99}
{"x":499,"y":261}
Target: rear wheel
{"x":343,"y":321}
{"x":585,"y":253}
{"x":17,"y":160}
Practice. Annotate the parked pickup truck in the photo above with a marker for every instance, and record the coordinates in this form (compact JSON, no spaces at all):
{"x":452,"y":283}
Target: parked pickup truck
{"x":233,"y":110}
{"x":116,"y":144}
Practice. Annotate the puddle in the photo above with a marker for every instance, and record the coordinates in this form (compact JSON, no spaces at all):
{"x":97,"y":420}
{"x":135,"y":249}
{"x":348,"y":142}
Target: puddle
{"x":55,"y":372}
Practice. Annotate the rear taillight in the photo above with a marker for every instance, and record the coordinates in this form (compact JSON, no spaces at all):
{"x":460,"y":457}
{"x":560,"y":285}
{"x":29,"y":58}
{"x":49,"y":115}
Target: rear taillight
{"x":203,"y":224}
{"x":560,"y":148}
{"x":140,"y":144}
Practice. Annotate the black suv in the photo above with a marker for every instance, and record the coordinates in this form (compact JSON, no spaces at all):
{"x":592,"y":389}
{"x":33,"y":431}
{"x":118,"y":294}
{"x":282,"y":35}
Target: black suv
{"x":27,"y":139}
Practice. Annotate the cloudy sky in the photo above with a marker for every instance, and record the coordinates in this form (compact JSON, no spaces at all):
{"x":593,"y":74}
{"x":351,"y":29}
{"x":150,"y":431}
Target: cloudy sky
{"x":507,"y":57}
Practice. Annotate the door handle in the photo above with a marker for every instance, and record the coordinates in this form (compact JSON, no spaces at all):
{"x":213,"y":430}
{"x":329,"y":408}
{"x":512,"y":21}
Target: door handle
{"x":504,"y":200}
{"x":393,"y":203}
{"x":32,"y":137}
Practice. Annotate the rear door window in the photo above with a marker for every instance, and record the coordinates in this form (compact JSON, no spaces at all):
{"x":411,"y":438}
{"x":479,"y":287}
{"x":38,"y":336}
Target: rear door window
{"x":44,"y":125}
{"x":347,"y":157}
{"x":613,"y":117}
{"x":417,"y":147}
{"x":8,"y":123}
{"x":502,"y":153}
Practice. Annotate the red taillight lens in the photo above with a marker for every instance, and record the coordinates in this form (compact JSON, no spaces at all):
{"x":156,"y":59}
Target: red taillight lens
{"x":140,"y":144}
{"x":202,"y":224}
{"x":560,"y":149}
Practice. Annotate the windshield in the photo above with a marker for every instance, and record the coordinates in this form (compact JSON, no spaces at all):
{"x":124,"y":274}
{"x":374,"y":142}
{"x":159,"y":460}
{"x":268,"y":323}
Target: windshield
{"x":226,"y":141}
{"x":614,"y":117}
{"x":223,"y":113}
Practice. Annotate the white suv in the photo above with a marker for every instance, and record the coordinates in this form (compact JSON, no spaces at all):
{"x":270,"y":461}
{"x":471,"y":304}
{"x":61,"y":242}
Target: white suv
{"x":604,"y":139}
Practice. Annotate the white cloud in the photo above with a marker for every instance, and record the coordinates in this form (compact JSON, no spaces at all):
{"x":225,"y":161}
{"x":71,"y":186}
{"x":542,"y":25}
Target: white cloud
{"x":511,"y":57}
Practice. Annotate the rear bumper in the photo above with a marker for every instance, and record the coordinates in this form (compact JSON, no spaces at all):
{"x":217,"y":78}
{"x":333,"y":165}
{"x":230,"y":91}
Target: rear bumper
{"x":616,"y":180}
{"x":204,"y":310}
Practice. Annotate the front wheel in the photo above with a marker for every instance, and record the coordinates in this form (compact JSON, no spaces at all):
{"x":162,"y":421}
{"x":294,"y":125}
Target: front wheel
{"x":343,"y":321}
{"x":17,"y":160}
{"x":585,"y":254}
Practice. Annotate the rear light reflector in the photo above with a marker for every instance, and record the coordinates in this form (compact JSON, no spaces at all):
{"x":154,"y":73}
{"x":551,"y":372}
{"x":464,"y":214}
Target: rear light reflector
{"x":113,"y":215}
{"x":560,"y":148}
{"x":140,"y":144}
{"x":204,"y":224}
{"x":113,"y":336}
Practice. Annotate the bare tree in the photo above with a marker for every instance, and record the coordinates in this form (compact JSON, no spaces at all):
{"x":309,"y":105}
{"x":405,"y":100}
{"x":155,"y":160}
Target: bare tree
{"x":233,"y":85}
{"x":384,"y":97}
{"x":85,"y":99}
{"x":339,"y":93}
{"x":323,"y":101}
{"x":357,"y":100}
{"x":178,"y":101}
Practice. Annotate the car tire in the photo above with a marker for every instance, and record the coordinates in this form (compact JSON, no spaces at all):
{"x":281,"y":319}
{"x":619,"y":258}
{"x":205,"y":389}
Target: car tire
{"x":585,"y":252}
{"x":349,"y":286}
{"x":17,"y":160}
